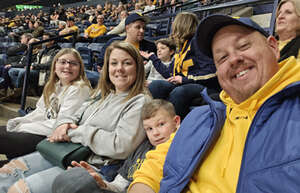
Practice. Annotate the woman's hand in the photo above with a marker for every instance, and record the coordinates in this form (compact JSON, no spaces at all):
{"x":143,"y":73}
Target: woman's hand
{"x":91,"y":171}
{"x":60,"y":134}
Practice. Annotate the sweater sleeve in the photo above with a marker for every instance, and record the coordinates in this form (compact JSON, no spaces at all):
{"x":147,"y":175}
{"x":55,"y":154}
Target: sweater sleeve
{"x":71,"y":102}
{"x":38,"y":114}
{"x":151,"y":171}
{"x":160,"y":67}
{"x":117,"y":143}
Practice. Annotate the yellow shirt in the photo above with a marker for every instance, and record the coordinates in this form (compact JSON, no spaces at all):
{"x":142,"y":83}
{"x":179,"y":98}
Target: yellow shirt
{"x":74,"y":28}
{"x":95,"y":30}
{"x":219,"y":171}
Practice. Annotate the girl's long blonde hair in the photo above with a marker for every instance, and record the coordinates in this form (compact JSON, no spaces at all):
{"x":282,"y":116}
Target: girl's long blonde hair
{"x":53,"y":79}
{"x":105,"y":86}
{"x":184,"y":27}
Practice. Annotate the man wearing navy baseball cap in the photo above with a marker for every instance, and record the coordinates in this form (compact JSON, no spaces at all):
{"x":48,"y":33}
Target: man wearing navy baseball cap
{"x":249,"y":142}
{"x":135,"y":25}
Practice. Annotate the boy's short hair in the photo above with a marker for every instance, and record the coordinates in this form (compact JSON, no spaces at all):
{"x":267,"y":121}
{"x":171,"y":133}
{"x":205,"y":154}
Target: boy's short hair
{"x":168,"y":42}
{"x":150,"y":108}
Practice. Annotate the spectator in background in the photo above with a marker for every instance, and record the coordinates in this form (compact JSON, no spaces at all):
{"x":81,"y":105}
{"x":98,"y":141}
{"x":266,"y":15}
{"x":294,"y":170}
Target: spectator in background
{"x":149,"y":6}
{"x":120,"y":28}
{"x":61,"y":26}
{"x":71,"y":28}
{"x":189,"y":73}
{"x":249,"y":143}
{"x":44,"y":58}
{"x":166,"y":49}
{"x":135,"y":27}
{"x":38,"y":29}
{"x":288,"y":28}
{"x":116,"y":31}
{"x":94,"y":30}
{"x":17,"y":64}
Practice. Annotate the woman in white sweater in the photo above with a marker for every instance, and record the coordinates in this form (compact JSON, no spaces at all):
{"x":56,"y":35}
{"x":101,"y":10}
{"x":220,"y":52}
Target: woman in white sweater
{"x":109,"y":124}
{"x":63,"y":94}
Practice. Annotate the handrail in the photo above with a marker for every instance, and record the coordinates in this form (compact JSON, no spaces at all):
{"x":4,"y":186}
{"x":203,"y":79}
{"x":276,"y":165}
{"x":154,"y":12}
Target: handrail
{"x":29,"y":60}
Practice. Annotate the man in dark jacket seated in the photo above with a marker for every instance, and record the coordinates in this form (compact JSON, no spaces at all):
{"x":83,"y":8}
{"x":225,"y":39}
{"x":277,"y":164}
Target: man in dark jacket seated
{"x":250,"y":142}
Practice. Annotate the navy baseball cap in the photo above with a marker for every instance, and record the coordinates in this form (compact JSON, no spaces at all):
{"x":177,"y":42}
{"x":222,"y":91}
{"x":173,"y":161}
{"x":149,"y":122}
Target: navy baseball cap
{"x":134,"y":17}
{"x":210,"y":25}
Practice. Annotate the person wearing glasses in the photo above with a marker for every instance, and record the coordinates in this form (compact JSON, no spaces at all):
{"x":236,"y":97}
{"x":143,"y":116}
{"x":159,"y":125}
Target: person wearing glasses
{"x":109,"y":124}
{"x":65,"y":91}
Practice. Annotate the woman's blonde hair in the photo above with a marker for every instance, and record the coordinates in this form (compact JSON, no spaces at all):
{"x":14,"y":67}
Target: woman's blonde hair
{"x":184,"y":27}
{"x":53,"y":79}
{"x":296,"y":4}
{"x":106,"y":86}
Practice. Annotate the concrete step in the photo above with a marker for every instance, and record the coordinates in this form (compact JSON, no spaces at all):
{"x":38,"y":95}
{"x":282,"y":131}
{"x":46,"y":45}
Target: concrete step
{"x":10,"y":110}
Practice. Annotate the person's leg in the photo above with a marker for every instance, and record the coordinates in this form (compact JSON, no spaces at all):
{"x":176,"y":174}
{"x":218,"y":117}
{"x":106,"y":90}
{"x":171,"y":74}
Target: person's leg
{"x":17,"y":170}
{"x":14,"y":144}
{"x":33,"y":78}
{"x":13,"y":74}
{"x":40,"y":182}
{"x":182,"y":96}
{"x":75,"y":180}
{"x":160,"y":89}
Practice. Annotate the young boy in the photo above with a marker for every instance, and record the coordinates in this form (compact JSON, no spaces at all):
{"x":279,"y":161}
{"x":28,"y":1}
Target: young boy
{"x":159,"y":120}
{"x":165,"y":51}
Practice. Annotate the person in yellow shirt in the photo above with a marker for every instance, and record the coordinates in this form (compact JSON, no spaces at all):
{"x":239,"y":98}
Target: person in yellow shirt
{"x":71,"y":27}
{"x":249,"y":142}
{"x":95,"y":30}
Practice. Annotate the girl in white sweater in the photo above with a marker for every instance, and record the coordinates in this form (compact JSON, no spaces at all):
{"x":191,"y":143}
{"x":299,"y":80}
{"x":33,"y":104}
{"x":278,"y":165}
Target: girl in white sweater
{"x":63,"y":94}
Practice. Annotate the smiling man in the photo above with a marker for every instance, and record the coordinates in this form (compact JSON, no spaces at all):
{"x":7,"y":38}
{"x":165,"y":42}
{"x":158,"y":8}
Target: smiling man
{"x":248,"y":143}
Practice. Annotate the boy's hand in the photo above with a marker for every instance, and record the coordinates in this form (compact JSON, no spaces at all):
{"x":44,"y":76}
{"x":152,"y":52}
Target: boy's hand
{"x":146,"y":54}
{"x":175,"y":79}
{"x":91,"y":171}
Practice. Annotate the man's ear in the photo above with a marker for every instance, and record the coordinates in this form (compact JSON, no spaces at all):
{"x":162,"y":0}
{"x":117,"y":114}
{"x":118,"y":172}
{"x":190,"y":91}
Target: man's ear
{"x":272,"y":42}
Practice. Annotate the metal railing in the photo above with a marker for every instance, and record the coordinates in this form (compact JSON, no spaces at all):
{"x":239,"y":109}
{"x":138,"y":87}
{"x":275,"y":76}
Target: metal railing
{"x":29,"y":61}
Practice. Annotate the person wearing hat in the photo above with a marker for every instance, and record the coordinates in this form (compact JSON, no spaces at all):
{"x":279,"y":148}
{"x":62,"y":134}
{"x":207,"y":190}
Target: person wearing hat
{"x":71,"y":27}
{"x":135,"y":25}
{"x":249,"y":142}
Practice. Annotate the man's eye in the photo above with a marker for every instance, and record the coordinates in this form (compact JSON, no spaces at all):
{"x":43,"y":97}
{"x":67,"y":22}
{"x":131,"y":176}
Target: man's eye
{"x":222,"y":59}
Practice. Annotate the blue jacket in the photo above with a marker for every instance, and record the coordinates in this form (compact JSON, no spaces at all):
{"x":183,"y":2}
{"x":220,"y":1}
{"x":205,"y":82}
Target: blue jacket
{"x":271,"y":159}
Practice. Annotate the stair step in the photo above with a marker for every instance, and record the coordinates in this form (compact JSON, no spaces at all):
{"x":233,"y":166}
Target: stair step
{"x":11,"y":110}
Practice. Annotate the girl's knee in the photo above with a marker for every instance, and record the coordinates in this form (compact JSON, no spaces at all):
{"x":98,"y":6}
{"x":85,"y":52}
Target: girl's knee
{"x":19,"y":187}
{"x":11,"y":166}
